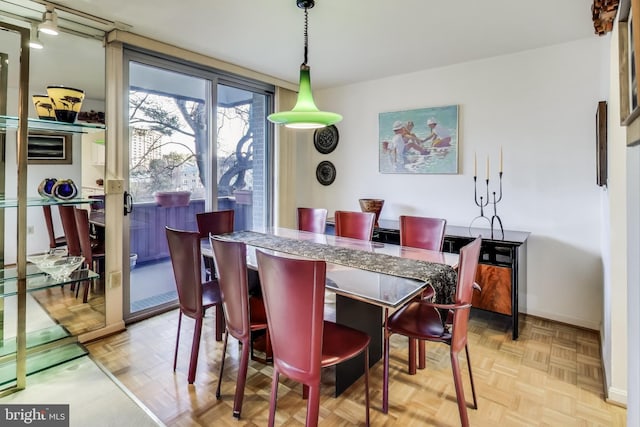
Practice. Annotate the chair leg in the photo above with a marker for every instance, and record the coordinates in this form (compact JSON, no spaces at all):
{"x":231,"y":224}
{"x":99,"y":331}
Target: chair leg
{"x":175,"y":354}
{"x":412,"y":356}
{"x":85,"y":296}
{"x":457,"y":381}
{"x":195,"y":348}
{"x":313,"y":406}
{"x":274,"y":397}
{"x":422,"y":354}
{"x":473,"y":389}
{"x":366,"y":384}
{"x":224,"y":353}
{"x":385,"y":374}
{"x":268,"y":354}
{"x":242,"y":378}
{"x":220,"y":326}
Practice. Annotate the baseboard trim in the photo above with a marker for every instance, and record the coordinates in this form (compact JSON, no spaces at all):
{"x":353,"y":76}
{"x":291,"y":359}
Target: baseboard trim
{"x":581,"y":323}
{"x":101,"y":333}
{"x":617,"y":397}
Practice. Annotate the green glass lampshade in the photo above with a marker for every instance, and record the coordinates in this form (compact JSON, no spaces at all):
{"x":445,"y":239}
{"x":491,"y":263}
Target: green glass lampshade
{"x":305,"y":114}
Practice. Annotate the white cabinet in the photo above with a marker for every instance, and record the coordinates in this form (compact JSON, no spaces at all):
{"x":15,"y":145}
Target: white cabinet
{"x":92,"y":162}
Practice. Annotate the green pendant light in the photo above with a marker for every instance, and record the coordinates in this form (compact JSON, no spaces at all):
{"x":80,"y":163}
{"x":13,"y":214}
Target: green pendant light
{"x":305,"y":114}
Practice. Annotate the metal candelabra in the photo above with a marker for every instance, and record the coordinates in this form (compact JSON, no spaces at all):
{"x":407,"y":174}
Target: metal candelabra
{"x":484,"y":202}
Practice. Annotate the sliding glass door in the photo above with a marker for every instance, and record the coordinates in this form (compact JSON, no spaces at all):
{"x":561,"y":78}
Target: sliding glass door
{"x":186,"y":126}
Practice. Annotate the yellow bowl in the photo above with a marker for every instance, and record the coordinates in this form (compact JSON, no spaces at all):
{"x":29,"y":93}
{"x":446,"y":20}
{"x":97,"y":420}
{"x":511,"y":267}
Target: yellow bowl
{"x":44,"y":107}
{"x":66,"y":102}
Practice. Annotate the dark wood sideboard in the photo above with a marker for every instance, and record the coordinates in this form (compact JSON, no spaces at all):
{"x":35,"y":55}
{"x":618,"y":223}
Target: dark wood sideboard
{"x":502,"y":272}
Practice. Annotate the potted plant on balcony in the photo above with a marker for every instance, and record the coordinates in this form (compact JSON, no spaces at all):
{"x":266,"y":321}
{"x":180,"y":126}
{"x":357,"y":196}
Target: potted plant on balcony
{"x":172,"y":198}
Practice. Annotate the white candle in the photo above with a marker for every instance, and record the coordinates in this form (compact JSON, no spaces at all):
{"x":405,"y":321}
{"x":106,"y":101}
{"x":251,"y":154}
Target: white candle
{"x":501,"y":159}
{"x":487,"y":167}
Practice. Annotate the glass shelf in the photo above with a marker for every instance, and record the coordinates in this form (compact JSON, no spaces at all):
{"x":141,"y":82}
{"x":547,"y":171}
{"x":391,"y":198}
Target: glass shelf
{"x":41,"y":201}
{"x":43,"y":281}
{"x":35,"y":339}
{"x":43,"y":360}
{"x":8,"y":122}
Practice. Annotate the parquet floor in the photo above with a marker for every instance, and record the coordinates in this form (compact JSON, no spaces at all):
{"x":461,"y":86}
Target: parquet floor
{"x":77,"y":317}
{"x":550,"y":376}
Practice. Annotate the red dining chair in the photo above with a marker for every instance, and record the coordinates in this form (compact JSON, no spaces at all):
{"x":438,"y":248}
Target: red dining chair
{"x":93,"y":254}
{"x":68,"y":219}
{"x":422,"y":320}
{"x":215,"y":222}
{"x":356,"y":225}
{"x":303,"y":342}
{"x":194,"y":297}
{"x":54,"y":242}
{"x":244,"y":314}
{"x":313,"y":220}
{"x":424,"y":233}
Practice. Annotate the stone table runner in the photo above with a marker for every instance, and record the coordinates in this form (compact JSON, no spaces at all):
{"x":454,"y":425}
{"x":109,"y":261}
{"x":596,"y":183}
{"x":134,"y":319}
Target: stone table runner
{"x":441,"y":277}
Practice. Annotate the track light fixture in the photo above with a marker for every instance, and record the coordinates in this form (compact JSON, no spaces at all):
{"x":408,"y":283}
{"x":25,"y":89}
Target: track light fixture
{"x":49,"y":23}
{"x":305,"y":114}
{"x":34,"y":40}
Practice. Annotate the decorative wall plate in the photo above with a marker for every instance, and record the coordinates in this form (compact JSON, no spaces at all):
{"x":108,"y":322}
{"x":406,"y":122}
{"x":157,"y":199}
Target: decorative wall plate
{"x":326,"y":173}
{"x":326,"y":139}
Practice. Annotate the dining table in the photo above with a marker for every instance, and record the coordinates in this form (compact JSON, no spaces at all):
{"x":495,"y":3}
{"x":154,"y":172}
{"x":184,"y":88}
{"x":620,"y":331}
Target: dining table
{"x":369,"y":279}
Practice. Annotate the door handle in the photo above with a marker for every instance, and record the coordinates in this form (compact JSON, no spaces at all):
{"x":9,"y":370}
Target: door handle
{"x":128,"y":203}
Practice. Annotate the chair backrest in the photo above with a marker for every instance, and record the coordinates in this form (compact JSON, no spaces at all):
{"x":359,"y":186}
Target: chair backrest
{"x":356,"y":225}
{"x":422,"y":232}
{"x":231,"y":265}
{"x":312,"y":219}
{"x":293,"y":293}
{"x":68,"y":219}
{"x":48,"y":219}
{"x":82,"y":225}
{"x":184,"y":249}
{"x":467,"y":265}
{"x":216,"y":222}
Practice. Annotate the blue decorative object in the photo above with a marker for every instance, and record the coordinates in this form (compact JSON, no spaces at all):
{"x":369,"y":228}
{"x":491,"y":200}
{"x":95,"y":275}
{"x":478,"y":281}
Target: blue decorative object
{"x":45,"y":189}
{"x":65,"y":189}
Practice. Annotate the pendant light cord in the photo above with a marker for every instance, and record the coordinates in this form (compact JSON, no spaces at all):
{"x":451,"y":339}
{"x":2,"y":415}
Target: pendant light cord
{"x":306,"y":36}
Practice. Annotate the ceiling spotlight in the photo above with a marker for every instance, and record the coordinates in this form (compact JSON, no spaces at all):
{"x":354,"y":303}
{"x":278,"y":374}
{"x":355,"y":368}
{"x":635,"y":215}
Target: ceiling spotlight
{"x":49,"y":23}
{"x":34,"y":40}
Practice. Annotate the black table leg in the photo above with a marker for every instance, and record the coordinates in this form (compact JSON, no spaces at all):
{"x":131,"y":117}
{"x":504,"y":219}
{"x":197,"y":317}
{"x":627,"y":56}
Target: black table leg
{"x":368,"y":319}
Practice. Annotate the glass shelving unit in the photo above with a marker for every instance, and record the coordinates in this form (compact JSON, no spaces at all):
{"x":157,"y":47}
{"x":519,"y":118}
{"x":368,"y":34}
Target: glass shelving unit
{"x":31,"y":351}
{"x":45,"y":347}
{"x":39,"y":201}
{"x":37,"y":280}
{"x":9,"y":122}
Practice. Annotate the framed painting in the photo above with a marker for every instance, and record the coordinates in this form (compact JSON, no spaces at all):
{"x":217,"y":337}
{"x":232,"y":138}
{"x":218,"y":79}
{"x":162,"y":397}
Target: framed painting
{"x":629,"y":62}
{"x":49,"y":148}
{"x":601,"y":143}
{"x":421,"y":141}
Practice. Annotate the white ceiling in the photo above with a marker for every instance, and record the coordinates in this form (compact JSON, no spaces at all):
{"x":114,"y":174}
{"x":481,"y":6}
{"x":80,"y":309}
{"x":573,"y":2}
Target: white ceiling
{"x":350,"y":40}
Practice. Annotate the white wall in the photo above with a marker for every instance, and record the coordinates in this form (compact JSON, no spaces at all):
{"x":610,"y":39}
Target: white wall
{"x":540,"y":107}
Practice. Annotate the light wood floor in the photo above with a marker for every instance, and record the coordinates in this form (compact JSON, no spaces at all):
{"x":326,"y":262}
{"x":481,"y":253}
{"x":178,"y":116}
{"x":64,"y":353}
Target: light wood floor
{"x":550,"y":376}
{"x":64,"y":307}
